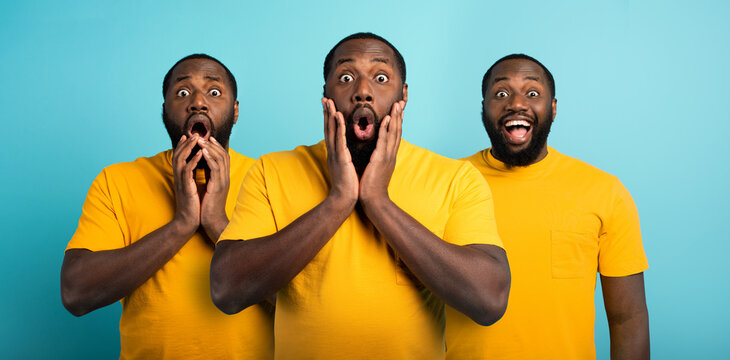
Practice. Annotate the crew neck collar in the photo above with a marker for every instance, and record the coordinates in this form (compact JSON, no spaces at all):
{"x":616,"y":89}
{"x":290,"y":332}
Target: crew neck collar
{"x":536,"y":167}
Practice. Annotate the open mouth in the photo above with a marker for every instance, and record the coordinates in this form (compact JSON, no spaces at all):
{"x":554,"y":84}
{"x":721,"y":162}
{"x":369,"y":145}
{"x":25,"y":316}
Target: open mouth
{"x":198,"y":124}
{"x":363,"y":123}
{"x":518,"y":131}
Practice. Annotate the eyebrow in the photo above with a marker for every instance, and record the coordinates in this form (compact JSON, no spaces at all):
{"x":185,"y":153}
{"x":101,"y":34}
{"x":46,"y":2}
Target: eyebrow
{"x":346,"y":60}
{"x":502,"y":78}
{"x":207,"y":77}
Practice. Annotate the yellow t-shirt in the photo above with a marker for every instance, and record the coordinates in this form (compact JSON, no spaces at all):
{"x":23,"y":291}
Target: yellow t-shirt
{"x":355,"y":300}
{"x":171,"y":316}
{"x":561,"y":221}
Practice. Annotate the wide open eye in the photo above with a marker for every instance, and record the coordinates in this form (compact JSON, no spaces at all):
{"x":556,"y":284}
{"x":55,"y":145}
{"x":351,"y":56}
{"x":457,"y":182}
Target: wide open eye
{"x":183,"y":93}
{"x":533,"y":93}
{"x":381,"y":78}
{"x":215,"y":92}
{"x":346,"y":78}
{"x":501,"y":94}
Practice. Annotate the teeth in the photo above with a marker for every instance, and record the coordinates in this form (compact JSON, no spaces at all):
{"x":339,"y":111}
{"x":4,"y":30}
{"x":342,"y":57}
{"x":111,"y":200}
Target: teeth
{"x":517,"y":123}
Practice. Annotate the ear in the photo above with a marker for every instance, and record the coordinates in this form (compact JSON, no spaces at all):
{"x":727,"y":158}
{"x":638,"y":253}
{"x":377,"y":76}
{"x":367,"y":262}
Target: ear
{"x":235,"y":112}
{"x":555,"y":108}
{"x":405,"y":94}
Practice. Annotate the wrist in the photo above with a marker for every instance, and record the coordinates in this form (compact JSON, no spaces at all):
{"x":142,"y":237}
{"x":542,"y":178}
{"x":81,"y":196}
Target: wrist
{"x":340,"y":204}
{"x":375,"y":203}
{"x":214,"y":225}
{"x":374,"y":199}
{"x":182,"y":227}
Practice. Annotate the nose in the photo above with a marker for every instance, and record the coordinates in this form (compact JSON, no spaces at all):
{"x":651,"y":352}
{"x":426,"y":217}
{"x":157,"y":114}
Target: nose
{"x":197,"y":102}
{"x":363,"y":92}
{"x":517,"y":103}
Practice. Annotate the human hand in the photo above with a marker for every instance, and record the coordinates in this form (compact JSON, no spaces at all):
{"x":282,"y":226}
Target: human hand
{"x":187,"y":202}
{"x":344,"y":186}
{"x":213,"y":216}
{"x":377,"y":174}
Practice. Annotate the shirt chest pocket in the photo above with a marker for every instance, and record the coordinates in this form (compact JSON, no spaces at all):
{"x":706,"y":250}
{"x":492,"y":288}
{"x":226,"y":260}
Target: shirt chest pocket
{"x":573,"y":255}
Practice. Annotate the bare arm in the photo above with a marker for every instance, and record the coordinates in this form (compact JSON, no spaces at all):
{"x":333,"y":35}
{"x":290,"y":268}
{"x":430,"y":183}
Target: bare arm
{"x":628,"y":318}
{"x":93,"y":279}
{"x":473,"y":279}
{"x":272,"y":261}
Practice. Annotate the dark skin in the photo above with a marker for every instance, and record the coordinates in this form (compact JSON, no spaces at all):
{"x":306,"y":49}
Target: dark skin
{"x":519,"y":85}
{"x":628,"y":318}
{"x":94,"y":279}
{"x":473,"y":279}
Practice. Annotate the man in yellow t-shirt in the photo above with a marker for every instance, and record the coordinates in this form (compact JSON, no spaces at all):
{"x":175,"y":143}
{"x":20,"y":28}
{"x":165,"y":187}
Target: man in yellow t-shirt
{"x":561,"y":221}
{"x":147,"y":228}
{"x":362,"y":237}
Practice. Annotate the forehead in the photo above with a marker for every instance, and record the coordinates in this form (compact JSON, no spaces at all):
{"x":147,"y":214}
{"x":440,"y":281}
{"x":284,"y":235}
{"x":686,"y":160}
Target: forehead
{"x":518,"y":69}
{"x":198,"y":68}
{"x":363,"y":51}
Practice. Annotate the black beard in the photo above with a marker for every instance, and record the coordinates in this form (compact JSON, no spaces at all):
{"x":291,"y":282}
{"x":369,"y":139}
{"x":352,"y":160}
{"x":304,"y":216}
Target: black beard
{"x":361,"y":152}
{"x":221,"y":134}
{"x":527,"y":156}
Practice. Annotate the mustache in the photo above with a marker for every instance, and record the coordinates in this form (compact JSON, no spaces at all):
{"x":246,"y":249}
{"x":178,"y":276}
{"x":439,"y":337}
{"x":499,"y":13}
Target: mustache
{"x":350,"y":118}
{"x":518,"y":113}
{"x":210,"y":122}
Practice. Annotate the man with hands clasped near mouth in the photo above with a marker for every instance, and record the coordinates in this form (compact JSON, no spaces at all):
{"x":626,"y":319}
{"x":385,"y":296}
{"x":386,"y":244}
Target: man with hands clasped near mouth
{"x":363,"y":237}
{"x":147,"y":228}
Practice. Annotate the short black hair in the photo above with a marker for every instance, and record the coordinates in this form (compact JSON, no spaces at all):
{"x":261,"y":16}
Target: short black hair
{"x":550,"y":80}
{"x":401,"y":64}
{"x":231,"y":79}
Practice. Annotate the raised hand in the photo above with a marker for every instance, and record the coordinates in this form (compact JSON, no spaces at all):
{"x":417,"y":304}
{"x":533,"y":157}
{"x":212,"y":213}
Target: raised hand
{"x":344,"y":185}
{"x":213,"y":216}
{"x":376,"y":177}
{"x":187,"y":202}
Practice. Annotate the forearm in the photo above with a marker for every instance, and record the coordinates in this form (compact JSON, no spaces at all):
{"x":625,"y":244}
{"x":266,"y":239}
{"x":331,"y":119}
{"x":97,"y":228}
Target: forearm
{"x":472,"y":280}
{"x":244,"y":273}
{"x":94,"y":279}
{"x":630,"y":338}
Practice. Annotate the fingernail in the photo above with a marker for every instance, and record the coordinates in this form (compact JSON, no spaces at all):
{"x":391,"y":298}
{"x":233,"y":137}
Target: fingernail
{"x":213,"y":139}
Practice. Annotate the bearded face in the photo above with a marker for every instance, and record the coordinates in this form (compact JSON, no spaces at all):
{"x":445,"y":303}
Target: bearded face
{"x":525,"y":156}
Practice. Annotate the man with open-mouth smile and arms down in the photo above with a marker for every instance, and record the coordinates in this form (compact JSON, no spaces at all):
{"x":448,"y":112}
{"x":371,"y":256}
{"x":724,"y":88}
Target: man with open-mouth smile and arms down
{"x":562,"y":221}
{"x":363,"y":237}
{"x":147,"y":230}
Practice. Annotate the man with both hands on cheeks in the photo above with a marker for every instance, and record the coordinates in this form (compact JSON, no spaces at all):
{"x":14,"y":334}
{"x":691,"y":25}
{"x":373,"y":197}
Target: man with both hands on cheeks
{"x":147,"y":227}
{"x":363,"y":237}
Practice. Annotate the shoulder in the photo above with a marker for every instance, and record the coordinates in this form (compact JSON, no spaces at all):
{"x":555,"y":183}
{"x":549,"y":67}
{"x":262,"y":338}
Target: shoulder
{"x":581,"y":169}
{"x":417,"y":156}
{"x":303,"y":157}
{"x":158,"y":163}
{"x":419,"y":163}
{"x":239,"y":161}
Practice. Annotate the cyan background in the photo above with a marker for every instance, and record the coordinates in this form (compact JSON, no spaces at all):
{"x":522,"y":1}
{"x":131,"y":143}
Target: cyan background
{"x":642,"y":88}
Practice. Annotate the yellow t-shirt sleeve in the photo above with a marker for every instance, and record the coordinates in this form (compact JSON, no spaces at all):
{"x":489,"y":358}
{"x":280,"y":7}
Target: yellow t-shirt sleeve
{"x":98,"y":227}
{"x":471,"y":219}
{"x":621,"y":252}
{"x":252,"y":217}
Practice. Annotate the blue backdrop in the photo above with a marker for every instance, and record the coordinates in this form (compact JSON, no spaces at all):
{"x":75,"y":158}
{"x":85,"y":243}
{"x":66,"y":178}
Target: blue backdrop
{"x":637,"y":83}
